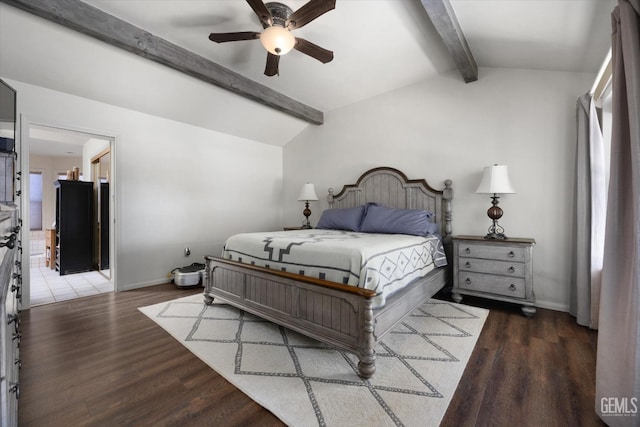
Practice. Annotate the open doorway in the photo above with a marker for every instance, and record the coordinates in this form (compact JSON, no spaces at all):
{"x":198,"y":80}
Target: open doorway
{"x":56,"y":156}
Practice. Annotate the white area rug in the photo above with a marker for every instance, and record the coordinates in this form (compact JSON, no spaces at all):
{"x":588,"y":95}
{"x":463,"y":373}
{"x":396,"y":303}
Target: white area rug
{"x":306,"y":383}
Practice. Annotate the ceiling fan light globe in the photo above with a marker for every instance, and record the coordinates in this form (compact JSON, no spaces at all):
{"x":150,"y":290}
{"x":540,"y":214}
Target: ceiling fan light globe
{"x":277,"y":40}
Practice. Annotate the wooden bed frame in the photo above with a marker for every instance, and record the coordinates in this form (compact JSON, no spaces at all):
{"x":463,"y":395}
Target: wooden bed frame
{"x":337,"y":314}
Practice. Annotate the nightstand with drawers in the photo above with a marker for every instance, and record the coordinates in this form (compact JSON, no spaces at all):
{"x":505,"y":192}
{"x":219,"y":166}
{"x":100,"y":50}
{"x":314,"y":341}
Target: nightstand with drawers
{"x":499,"y":269}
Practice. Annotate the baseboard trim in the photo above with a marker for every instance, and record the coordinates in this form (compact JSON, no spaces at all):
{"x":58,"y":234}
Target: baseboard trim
{"x":552,"y":306}
{"x":139,"y":285}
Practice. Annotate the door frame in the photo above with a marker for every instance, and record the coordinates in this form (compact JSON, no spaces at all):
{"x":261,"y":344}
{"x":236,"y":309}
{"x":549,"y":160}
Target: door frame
{"x":24,"y":154}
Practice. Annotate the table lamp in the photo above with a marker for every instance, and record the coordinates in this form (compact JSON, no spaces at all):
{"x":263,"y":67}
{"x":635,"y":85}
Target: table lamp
{"x":495,"y":180}
{"x":307,"y":194}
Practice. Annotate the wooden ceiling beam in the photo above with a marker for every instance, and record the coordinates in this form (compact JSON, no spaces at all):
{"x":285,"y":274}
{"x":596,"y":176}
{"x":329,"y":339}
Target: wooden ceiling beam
{"x":444,"y":19}
{"x":82,"y":17}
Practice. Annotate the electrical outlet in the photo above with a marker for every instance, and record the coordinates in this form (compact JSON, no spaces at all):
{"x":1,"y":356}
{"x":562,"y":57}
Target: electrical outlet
{"x":187,"y":251}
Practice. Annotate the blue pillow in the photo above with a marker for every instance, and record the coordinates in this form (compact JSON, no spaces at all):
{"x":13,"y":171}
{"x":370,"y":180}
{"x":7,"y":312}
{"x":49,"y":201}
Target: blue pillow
{"x":398,"y":221}
{"x":341,"y":219}
{"x":366,"y":208}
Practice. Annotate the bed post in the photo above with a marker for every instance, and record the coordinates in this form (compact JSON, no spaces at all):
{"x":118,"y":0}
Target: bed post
{"x":208,"y":299}
{"x":367,"y":356}
{"x":447,"y":196}
{"x":330,"y":198}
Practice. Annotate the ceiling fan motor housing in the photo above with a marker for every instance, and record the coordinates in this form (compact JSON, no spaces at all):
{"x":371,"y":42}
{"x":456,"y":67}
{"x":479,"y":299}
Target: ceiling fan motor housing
{"x":280,"y":13}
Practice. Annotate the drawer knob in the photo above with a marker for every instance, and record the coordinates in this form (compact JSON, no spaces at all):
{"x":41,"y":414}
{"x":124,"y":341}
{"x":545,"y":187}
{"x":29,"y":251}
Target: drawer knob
{"x":512,"y":287}
{"x":467,"y":264}
{"x":511,"y":269}
{"x":15,"y":388}
{"x":10,"y":241}
{"x":468,"y":281}
{"x":511,"y":254}
{"x":467,"y":251}
{"x":14,"y":318}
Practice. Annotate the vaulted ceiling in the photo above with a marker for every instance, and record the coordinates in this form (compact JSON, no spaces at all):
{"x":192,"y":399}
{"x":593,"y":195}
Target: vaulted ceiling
{"x":379,"y":46}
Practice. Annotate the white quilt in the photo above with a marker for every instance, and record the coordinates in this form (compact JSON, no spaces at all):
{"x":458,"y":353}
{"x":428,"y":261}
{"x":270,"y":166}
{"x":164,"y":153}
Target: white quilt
{"x":383,"y":263}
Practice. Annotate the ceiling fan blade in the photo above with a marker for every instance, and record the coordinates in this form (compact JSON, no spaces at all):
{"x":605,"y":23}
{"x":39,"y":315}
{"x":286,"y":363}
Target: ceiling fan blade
{"x":309,"y":12}
{"x":272,"y":65}
{"x":261,"y":10}
{"x":313,"y":50}
{"x":232,"y":37}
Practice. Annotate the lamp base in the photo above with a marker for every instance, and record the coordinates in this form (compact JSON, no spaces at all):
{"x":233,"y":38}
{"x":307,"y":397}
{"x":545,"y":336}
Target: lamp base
{"x":495,"y":236}
{"x":307,"y":213}
{"x":495,"y":232}
{"x":495,"y":213}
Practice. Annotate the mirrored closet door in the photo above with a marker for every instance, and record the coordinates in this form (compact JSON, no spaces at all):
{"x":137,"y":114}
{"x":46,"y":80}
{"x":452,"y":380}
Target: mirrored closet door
{"x":101,"y":165}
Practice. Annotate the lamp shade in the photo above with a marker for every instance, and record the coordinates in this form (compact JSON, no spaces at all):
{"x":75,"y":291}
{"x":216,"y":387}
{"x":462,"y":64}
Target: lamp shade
{"x":495,"y":180}
{"x":277,"y":40}
{"x":308,"y":192}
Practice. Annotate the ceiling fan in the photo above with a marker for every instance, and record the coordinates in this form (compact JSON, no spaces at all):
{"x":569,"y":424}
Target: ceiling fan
{"x":278,"y":21}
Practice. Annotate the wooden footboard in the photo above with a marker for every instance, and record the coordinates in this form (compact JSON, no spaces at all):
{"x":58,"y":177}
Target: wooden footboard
{"x":333,"y":313}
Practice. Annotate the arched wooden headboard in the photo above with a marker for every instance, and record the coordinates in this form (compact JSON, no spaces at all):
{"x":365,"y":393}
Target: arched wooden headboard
{"x":392,"y":188}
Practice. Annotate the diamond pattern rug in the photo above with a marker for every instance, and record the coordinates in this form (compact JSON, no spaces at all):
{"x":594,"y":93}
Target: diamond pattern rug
{"x":306,"y":383}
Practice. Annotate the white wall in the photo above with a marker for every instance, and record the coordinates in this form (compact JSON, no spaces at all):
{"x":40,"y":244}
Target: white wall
{"x":176,"y":185}
{"x":443,"y":128}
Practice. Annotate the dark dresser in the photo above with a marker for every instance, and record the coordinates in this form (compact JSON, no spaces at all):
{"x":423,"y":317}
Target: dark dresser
{"x":74,"y":226}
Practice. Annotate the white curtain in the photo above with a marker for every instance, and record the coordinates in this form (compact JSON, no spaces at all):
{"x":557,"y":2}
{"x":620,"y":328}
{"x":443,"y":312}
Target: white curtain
{"x":618,"y":357}
{"x":589,"y":216}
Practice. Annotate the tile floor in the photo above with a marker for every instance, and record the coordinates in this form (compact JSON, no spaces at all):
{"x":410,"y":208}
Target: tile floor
{"x":48,"y":286}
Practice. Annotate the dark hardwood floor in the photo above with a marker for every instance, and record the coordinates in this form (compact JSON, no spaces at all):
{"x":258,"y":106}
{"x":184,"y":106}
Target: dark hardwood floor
{"x":99,"y":361}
